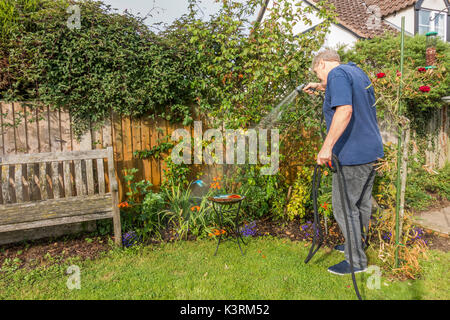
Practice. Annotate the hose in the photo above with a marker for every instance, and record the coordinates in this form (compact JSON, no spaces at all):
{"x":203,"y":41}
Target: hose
{"x":318,"y":236}
{"x":342,"y":191}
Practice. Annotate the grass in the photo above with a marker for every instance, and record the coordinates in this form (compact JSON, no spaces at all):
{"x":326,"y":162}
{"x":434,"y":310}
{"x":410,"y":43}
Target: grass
{"x":271,"y":269}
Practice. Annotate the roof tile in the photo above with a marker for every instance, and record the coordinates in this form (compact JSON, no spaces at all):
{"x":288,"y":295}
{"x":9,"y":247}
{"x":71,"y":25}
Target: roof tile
{"x":355,"y":14}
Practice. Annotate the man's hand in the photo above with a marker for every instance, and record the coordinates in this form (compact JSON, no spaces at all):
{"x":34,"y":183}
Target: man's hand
{"x":324,"y":155}
{"x":313,"y":85}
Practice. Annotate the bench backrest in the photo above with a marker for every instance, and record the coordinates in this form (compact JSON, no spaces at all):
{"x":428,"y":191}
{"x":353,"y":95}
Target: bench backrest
{"x":48,"y":189}
{"x":42,"y":176}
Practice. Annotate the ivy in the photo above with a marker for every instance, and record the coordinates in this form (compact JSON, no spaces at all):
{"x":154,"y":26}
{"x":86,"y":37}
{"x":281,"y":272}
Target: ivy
{"x":114,"y":62}
{"x":227,"y":69}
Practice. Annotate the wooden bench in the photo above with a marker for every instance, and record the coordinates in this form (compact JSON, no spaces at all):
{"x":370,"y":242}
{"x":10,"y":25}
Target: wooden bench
{"x":49,"y":189}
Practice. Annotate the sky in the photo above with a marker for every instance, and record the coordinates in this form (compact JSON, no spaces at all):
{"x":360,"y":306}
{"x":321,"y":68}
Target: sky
{"x":165,"y":11}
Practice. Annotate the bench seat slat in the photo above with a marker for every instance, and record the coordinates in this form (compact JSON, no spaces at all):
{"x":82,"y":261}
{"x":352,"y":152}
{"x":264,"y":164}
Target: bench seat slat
{"x":55,"y":222}
{"x":54,"y":208}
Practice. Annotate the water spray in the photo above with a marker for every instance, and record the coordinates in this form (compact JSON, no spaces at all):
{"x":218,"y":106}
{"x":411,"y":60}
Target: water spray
{"x":275,"y":115}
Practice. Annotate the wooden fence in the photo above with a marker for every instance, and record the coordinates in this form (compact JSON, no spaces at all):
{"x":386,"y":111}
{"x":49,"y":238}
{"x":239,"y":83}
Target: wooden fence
{"x":34,"y":130}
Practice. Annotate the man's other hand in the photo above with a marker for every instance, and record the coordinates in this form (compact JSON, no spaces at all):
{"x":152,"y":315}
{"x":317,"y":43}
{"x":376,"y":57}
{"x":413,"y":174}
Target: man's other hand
{"x":324,"y":155}
{"x":313,"y":85}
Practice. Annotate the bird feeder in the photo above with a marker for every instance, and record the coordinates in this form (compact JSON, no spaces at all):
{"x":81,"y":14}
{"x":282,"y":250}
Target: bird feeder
{"x":431,"y":48}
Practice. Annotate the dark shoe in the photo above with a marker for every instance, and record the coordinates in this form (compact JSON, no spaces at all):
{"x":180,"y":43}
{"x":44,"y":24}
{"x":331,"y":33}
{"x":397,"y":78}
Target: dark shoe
{"x":343,"y":268}
{"x":340,"y":248}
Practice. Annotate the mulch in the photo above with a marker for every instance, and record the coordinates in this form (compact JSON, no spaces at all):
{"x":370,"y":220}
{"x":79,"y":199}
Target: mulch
{"x":44,"y":252}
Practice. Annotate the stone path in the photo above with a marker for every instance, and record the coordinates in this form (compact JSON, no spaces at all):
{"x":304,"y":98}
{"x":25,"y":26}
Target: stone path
{"x":437,"y":220}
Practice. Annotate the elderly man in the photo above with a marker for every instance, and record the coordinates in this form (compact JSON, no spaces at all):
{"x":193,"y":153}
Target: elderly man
{"x":354,"y":137}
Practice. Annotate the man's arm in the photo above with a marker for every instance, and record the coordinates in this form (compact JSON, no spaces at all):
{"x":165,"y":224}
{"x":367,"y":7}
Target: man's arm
{"x":340,"y":121}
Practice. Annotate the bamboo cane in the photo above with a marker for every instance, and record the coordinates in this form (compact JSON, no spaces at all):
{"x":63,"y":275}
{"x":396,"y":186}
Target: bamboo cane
{"x":399,"y":149}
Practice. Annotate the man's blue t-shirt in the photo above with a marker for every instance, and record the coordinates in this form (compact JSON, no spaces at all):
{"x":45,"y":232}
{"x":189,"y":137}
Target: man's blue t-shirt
{"x":361,"y":142}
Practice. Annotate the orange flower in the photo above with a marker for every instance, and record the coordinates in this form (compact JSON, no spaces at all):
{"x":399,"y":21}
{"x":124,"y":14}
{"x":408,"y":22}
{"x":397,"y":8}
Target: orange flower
{"x":325,"y":205}
{"x":195,"y":208}
{"x":215,"y":185}
{"x":123,"y":205}
{"x":223,"y":231}
{"x":210,"y":234}
{"x":325,"y":173}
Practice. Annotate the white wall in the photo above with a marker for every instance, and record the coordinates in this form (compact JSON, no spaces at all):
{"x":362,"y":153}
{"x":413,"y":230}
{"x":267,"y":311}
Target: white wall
{"x":434,"y":4}
{"x":396,"y":19}
{"x":337,"y":35}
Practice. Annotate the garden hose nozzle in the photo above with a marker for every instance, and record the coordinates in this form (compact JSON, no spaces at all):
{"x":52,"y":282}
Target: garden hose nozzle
{"x":300,"y":87}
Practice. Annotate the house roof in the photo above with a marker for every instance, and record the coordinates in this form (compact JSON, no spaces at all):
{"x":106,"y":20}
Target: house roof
{"x":390,"y":6}
{"x":354,"y":14}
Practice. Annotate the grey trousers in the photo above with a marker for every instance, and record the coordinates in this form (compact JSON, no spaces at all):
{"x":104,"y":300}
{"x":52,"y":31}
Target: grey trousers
{"x":360,"y":208}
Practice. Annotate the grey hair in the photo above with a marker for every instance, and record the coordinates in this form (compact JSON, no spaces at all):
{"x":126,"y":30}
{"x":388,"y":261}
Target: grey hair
{"x":325,"y":55}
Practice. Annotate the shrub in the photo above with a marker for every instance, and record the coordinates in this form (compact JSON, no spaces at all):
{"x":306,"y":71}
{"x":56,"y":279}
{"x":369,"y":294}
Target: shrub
{"x":262,"y":192}
{"x":301,"y":194}
{"x":114,"y":62}
{"x":382,"y":55}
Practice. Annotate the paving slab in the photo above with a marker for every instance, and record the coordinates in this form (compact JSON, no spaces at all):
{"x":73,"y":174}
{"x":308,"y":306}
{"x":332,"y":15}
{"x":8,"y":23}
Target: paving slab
{"x":437,"y":220}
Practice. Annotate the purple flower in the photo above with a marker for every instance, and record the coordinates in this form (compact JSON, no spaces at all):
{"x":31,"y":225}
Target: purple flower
{"x":130,"y":239}
{"x":249,"y":229}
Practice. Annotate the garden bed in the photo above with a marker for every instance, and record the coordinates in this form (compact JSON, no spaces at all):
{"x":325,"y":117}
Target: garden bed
{"x":44,"y":252}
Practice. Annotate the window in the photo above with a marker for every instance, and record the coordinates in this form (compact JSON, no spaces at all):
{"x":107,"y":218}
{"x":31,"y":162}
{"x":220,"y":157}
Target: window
{"x":432,"y":21}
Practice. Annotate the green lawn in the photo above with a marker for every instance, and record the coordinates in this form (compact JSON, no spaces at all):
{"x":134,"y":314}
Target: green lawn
{"x":188,"y":270}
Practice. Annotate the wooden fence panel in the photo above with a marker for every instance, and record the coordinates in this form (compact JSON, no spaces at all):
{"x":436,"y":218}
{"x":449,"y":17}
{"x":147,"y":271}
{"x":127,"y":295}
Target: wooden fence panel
{"x":46,"y":130}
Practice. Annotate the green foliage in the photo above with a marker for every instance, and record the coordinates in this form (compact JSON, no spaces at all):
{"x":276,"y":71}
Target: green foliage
{"x":325,"y":194}
{"x":175,"y":174}
{"x":136,"y":189}
{"x":163,"y":147}
{"x":236,"y":77}
{"x":186,"y":213}
{"x":262,"y":192}
{"x":424,"y":187}
{"x":301,"y":194}
{"x":11,"y":10}
{"x":150,"y":220}
{"x":382,"y":55}
{"x":114,"y":62}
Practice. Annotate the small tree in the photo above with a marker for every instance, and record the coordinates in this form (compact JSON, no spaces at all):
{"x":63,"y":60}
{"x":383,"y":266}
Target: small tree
{"x":239,"y":70}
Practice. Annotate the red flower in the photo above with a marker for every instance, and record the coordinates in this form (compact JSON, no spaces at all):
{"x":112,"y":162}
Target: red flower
{"x":399,"y":73}
{"x":381,"y":75}
{"x":325,"y":205}
{"x":425,"y":88}
{"x":421,"y":69}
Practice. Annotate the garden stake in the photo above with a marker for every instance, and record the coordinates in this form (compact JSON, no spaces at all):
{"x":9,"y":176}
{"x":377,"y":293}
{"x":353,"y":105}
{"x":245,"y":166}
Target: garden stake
{"x":399,"y":151}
